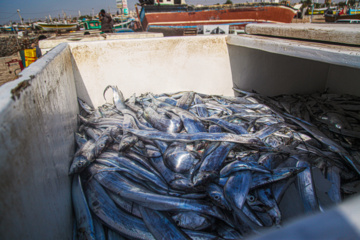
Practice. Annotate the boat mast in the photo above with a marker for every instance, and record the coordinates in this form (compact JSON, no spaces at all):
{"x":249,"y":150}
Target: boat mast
{"x":18,"y":11}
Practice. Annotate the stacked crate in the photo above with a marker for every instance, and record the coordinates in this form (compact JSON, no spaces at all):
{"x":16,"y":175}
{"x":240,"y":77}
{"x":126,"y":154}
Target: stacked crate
{"x":30,"y":56}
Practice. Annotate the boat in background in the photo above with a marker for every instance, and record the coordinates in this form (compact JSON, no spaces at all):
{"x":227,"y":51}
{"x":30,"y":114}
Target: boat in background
{"x":95,"y":24}
{"x":56,"y":26}
{"x":344,"y":15}
{"x":354,"y":11}
{"x":319,"y":11}
{"x":169,"y":13}
{"x":7,"y":28}
{"x":335,"y":17}
{"x":122,"y":22}
{"x":90,"y":24}
{"x":16,"y":28}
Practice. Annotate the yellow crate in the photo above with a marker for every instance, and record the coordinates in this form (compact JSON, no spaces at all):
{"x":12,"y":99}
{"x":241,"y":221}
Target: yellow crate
{"x":29,"y":61}
{"x":30,"y":52}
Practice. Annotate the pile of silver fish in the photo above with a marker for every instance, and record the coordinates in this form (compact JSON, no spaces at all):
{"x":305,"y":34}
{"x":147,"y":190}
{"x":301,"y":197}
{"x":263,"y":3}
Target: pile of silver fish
{"x":194,"y":166}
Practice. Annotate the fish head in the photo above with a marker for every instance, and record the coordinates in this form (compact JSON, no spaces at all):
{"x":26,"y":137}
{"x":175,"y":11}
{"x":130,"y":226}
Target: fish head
{"x":101,"y":144}
{"x":202,"y":178}
{"x":186,"y":185}
{"x":181,"y":184}
{"x":127,"y":142}
{"x":218,"y":199}
{"x":78,"y":165}
{"x":192,"y":220}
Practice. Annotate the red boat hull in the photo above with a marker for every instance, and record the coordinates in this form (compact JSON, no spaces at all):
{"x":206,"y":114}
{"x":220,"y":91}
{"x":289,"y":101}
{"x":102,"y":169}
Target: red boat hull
{"x":237,"y":16}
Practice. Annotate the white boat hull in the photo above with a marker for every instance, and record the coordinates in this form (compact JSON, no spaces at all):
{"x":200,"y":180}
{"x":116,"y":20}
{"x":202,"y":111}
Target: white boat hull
{"x":57,"y":27}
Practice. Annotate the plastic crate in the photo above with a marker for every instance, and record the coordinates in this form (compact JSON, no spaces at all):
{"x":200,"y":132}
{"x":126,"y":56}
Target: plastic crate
{"x":30,"y":53}
{"x":29,"y":60}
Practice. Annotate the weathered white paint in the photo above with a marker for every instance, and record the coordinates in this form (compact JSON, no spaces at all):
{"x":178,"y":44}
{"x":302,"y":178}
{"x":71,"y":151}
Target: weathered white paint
{"x":37,"y":144}
{"x":338,"y":33}
{"x":327,"y":53}
{"x":47,"y":44}
{"x":152,"y":65}
{"x":276,"y":66}
{"x":36,"y":129}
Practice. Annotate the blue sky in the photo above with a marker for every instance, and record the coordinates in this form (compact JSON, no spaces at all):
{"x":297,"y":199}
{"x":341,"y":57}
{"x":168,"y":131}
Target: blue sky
{"x":32,"y":9}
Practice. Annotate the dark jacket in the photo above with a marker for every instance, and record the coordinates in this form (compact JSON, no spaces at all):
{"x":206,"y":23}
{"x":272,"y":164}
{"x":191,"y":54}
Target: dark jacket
{"x":107,"y":22}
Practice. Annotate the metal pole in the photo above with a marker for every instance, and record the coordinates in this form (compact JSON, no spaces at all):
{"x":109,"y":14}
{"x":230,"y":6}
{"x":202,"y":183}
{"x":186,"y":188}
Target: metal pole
{"x":18,"y":11}
{"x":312,"y":11}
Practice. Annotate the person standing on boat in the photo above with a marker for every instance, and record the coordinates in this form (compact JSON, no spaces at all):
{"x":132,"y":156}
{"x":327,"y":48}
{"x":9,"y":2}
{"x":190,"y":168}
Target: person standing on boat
{"x":107,"y":22}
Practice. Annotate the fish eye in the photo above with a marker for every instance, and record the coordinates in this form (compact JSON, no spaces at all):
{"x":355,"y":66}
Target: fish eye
{"x":216,"y":197}
{"x":102,"y":145}
{"x":251,"y":198}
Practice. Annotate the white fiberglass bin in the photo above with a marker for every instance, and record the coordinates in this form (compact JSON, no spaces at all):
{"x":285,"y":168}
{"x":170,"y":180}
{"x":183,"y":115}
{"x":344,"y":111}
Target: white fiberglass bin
{"x":38,"y":112}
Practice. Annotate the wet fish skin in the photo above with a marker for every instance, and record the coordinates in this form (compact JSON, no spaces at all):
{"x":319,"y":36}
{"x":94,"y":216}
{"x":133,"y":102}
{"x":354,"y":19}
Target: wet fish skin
{"x":252,"y":216}
{"x":145,"y":162}
{"x":261,"y":179}
{"x":118,"y":97}
{"x":270,"y":160}
{"x":214,"y":129}
{"x":266,"y":197}
{"x":85,"y":225}
{"x":216,"y":194}
{"x":127,"y":141}
{"x":192,"y":220}
{"x":161,"y":225}
{"x":253,"y":112}
{"x":99,"y":229}
{"x":138,"y":170}
{"x":161,"y":122}
{"x":80,"y":140}
{"x":133,"y":192}
{"x":168,"y":100}
{"x":112,"y":235}
{"x":200,"y":110}
{"x":181,"y":137}
{"x":91,"y":133}
{"x":190,"y":122}
{"x":105,"y":209}
{"x":230,"y":127}
{"x":333,"y":175}
{"x":236,"y":189}
{"x":186,"y":100}
{"x":242,"y":166}
{"x":306,"y":188}
{"x":166,"y":173}
{"x":124,"y":204}
{"x":200,"y":235}
{"x":227,"y":232}
{"x":87,"y":108}
{"x":210,"y":166}
{"x":83,"y":157}
{"x":177,"y":159}
{"x":333,"y":146}
{"x":336,"y":120}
